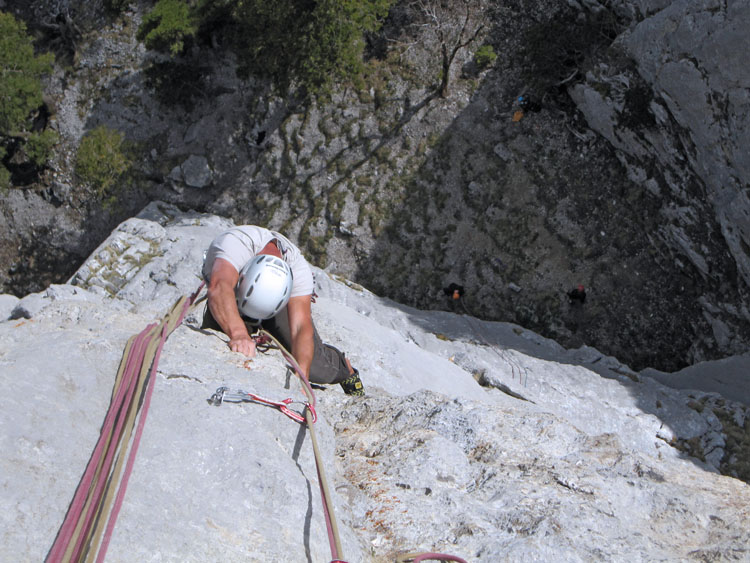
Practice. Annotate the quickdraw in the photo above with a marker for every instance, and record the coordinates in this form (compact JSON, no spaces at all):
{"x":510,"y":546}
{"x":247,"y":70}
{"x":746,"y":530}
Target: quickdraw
{"x":263,"y":343}
{"x":223,"y":394}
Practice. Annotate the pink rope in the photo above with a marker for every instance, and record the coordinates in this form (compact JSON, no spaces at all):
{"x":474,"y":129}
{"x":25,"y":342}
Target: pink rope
{"x":326,"y":513}
{"x":110,"y":454}
{"x":115,"y":417}
{"x":136,"y":440}
{"x":76,"y":508}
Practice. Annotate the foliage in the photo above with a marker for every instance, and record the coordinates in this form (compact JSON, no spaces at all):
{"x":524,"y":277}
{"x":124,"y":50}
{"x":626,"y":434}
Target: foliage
{"x":102,"y":159}
{"x":21,"y":71}
{"x":116,"y":5}
{"x":296,"y":43}
{"x":308,"y":44}
{"x":443,"y":29}
{"x":485,"y":56}
{"x":168,"y":27}
{"x":39,"y":146}
{"x":20,"y":75}
{"x":4,"y":173}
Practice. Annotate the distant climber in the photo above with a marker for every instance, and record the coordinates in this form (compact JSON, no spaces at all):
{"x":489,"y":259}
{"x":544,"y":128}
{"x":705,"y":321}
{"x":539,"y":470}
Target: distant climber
{"x":577,"y":295}
{"x":258,"y":278}
{"x":454,"y":291}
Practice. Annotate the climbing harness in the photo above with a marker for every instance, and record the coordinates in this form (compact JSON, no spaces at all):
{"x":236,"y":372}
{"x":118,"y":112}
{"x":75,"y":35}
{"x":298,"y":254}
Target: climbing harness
{"x":87,"y":528}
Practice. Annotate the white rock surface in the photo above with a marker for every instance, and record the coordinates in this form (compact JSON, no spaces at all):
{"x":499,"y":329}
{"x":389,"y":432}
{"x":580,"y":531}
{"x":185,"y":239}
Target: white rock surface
{"x":558,"y":456}
{"x":7,"y":304}
{"x":727,"y":377}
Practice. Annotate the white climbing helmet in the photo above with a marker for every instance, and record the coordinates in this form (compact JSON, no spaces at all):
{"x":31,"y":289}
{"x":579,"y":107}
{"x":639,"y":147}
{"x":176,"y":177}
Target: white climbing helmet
{"x":264,"y":287}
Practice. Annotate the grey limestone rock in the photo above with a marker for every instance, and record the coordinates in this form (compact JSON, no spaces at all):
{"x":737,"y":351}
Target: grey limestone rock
{"x":7,"y":304}
{"x":196,"y":172}
{"x":692,"y":56}
{"x":147,"y":265}
{"x":476,"y":439}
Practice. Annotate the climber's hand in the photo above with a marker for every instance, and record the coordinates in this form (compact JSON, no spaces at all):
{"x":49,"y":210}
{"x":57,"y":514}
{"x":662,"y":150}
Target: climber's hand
{"x":244,"y":345}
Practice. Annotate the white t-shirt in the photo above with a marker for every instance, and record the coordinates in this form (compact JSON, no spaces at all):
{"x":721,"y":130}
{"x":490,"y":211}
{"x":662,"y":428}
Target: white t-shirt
{"x":240,"y":244}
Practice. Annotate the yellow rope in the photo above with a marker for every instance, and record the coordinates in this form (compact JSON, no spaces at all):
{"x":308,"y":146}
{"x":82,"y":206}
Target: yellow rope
{"x":116,"y":444}
{"x":310,"y":424}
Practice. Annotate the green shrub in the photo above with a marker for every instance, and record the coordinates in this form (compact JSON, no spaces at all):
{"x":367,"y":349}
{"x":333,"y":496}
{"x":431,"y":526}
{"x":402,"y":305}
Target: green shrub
{"x":305,"y":44}
{"x":4,"y":174}
{"x":117,"y":5}
{"x":39,"y":146}
{"x":297,"y":44}
{"x":168,"y":27}
{"x":485,"y":56}
{"x":102,"y":159}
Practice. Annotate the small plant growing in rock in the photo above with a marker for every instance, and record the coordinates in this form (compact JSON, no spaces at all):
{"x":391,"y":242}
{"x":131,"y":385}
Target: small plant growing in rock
{"x":39,"y":146}
{"x":485,"y":57}
{"x":4,"y":174}
{"x":102,"y":159}
{"x":168,"y":27}
{"x":117,"y":6}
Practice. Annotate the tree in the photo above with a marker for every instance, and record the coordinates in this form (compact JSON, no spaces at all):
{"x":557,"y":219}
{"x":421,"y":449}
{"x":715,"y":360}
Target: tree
{"x":305,"y":44}
{"x":445,"y":27}
{"x":302,"y":44}
{"x":168,"y":27}
{"x":20,"y":75}
{"x":21,"y":91}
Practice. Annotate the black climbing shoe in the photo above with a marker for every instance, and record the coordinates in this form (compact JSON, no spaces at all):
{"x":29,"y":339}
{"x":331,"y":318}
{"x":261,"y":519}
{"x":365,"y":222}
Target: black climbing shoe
{"x":352,"y":385}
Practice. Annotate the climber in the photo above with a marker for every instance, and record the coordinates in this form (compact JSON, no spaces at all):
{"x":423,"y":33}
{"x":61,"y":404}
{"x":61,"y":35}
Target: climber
{"x":258,"y":278}
{"x":454,"y":291}
{"x":577,"y":295}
